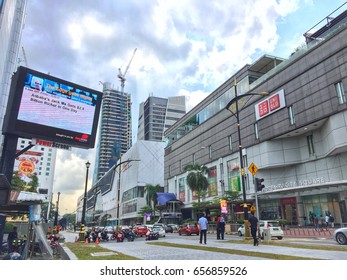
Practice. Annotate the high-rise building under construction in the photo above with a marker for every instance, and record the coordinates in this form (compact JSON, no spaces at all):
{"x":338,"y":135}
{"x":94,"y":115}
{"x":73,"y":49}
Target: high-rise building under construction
{"x":115,"y":132}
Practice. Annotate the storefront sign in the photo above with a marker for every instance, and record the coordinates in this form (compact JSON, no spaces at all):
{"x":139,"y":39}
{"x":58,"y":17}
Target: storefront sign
{"x":270,"y":105}
{"x":295,"y":184}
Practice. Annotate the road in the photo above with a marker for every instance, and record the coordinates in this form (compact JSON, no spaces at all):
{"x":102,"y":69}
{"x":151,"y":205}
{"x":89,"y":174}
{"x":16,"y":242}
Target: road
{"x":144,"y":250}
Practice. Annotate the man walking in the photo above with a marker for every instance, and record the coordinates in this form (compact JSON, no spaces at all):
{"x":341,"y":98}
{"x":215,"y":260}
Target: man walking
{"x":253,"y":222}
{"x":203,"y":228}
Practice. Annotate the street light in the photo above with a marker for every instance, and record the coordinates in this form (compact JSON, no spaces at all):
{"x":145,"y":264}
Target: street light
{"x":119,"y":178}
{"x":56,"y":212}
{"x":83,"y":220}
{"x":236,"y":113}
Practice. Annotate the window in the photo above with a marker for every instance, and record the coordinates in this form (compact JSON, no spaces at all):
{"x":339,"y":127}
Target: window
{"x":310,"y":145}
{"x":230,"y":143}
{"x":291,"y":115}
{"x":256,"y":131}
{"x":340,"y":92}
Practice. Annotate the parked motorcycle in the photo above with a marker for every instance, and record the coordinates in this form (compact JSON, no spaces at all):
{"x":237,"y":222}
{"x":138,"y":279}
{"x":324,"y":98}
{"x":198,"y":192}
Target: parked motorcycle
{"x":120,"y":236}
{"x":129,"y":234}
{"x":104,"y":236}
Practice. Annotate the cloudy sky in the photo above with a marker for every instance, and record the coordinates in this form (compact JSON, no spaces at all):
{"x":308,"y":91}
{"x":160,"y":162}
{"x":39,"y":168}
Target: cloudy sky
{"x":184,"y":47}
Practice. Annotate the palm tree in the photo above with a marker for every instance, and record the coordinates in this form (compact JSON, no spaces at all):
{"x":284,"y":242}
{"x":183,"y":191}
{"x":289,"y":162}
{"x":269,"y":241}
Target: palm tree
{"x":151,"y":195}
{"x":196,"y":178}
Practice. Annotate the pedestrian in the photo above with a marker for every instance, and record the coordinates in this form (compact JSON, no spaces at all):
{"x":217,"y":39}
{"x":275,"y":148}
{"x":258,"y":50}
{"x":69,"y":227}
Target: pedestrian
{"x":220,"y":227}
{"x":327,"y":217}
{"x":315,"y":222}
{"x":203,"y":223}
{"x":254,"y":225}
{"x":12,"y":236}
{"x":49,"y":232}
{"x":310,"y":217}
{"x":331,"y":220}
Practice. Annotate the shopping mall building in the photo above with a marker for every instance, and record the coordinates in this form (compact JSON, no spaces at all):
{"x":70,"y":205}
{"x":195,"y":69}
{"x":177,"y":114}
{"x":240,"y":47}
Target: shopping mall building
{"x":295,"y":138}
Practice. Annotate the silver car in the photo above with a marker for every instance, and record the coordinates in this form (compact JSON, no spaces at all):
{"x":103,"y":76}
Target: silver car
{"x":340,"y":236}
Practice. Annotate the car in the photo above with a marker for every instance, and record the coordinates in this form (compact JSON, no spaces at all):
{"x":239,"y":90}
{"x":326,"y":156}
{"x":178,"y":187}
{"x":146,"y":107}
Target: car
{"x":109,"y":229}
{"x":160,"y":230}
{"x":140,"y":230}
{"x":168,"y":229}
{"x":188,"y":229}
{"x":174,"y":227}
{"x":340,"y":236}
{"x":274,"y":226}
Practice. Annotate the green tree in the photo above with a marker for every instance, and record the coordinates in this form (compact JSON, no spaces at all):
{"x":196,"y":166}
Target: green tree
{"x":34,"y":183}
{"x":151,"y":195}
{"x":197,"y":179}
{"x":143,"y":211}
{"x":232,"y":197}
{"x":16,"y":182}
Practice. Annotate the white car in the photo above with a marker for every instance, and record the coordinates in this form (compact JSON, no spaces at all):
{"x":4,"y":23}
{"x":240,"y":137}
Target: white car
{"x":340,"y":236}
{"x":160,"y":230}
{"x":274,"y":226}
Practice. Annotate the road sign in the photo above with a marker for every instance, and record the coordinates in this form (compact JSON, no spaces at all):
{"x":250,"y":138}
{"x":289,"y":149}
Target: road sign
{"x":253,"y":208}
{"x":253,"y":169}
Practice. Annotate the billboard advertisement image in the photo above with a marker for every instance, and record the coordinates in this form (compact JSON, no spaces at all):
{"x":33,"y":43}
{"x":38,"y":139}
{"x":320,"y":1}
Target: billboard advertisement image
{"x":45,"y":107}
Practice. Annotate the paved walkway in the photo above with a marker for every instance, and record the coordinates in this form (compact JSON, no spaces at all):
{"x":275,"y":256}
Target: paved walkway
{"x":143,"y":250}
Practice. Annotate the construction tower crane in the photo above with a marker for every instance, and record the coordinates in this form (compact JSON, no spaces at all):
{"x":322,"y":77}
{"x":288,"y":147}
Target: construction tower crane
{"x":25,"y":57}
{"x":121,"y":75}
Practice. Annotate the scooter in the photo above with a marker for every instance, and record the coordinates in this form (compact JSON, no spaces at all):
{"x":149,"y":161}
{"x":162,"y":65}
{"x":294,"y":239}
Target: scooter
{"x":152,"y":235}
{"x":129,"y":234}
{"x":120,"y":236}
{"x":104,"y":236}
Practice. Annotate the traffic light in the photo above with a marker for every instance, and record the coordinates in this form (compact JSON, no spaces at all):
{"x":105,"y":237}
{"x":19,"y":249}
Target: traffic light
{"x":259,"y":184}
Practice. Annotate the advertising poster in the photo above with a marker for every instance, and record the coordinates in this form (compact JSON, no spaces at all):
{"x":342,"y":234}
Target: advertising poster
{"x":224,"y":206}
{"x":182,"y":189}
{"x":27,"y":165}
{"x":212,"y":181}
{"x":234,"y":176}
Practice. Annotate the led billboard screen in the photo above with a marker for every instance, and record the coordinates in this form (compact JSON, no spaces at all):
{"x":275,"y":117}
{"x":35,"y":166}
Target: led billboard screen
{"x":49,"y":108}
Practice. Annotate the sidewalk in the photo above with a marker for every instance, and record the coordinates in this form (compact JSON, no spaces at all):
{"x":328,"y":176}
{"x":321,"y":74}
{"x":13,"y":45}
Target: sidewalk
{"x":144,"y":250}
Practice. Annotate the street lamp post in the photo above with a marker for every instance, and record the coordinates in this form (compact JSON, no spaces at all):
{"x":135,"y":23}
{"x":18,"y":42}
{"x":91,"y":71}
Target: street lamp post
{"x":57,"y":211}
{"x":83,"y":220}
{"x":236,"y":113}
{"x":119,"y":180}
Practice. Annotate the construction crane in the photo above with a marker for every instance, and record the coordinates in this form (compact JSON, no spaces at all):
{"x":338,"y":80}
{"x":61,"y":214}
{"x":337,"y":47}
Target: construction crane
{"x":121,"y":75}
{"x":25,"y":57}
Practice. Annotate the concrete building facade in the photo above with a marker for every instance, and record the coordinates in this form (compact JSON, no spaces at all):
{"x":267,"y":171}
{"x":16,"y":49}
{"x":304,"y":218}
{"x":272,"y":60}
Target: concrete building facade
{"x":157,"y":114}
{"x":120,"y":193}
{"x":296,"y":137}
{"x":12,"y":17}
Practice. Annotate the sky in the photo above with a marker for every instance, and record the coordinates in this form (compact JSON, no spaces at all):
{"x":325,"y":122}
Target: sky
{"x":184,"y":47}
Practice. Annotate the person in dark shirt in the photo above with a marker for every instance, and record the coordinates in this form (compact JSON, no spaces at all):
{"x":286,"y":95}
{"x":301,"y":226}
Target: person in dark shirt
{"x":13,"y":235}
{"x":253,"y":223}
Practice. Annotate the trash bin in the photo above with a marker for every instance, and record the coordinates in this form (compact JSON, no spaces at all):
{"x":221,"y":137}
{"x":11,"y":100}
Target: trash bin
{"x":267,"y":234}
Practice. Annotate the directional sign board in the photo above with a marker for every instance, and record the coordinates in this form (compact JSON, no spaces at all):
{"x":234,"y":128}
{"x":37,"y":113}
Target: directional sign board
{"x":253,"y":169}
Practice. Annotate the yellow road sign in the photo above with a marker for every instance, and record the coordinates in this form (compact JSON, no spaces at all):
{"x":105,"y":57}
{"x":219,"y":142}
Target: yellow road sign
{"x":253,"y":169}
{"x":253,"y":208}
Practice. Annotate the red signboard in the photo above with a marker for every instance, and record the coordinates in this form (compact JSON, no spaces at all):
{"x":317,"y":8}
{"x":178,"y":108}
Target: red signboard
{"x":263,"y":108}
{"x":274,"y":102}
{"x":270,"y":105}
